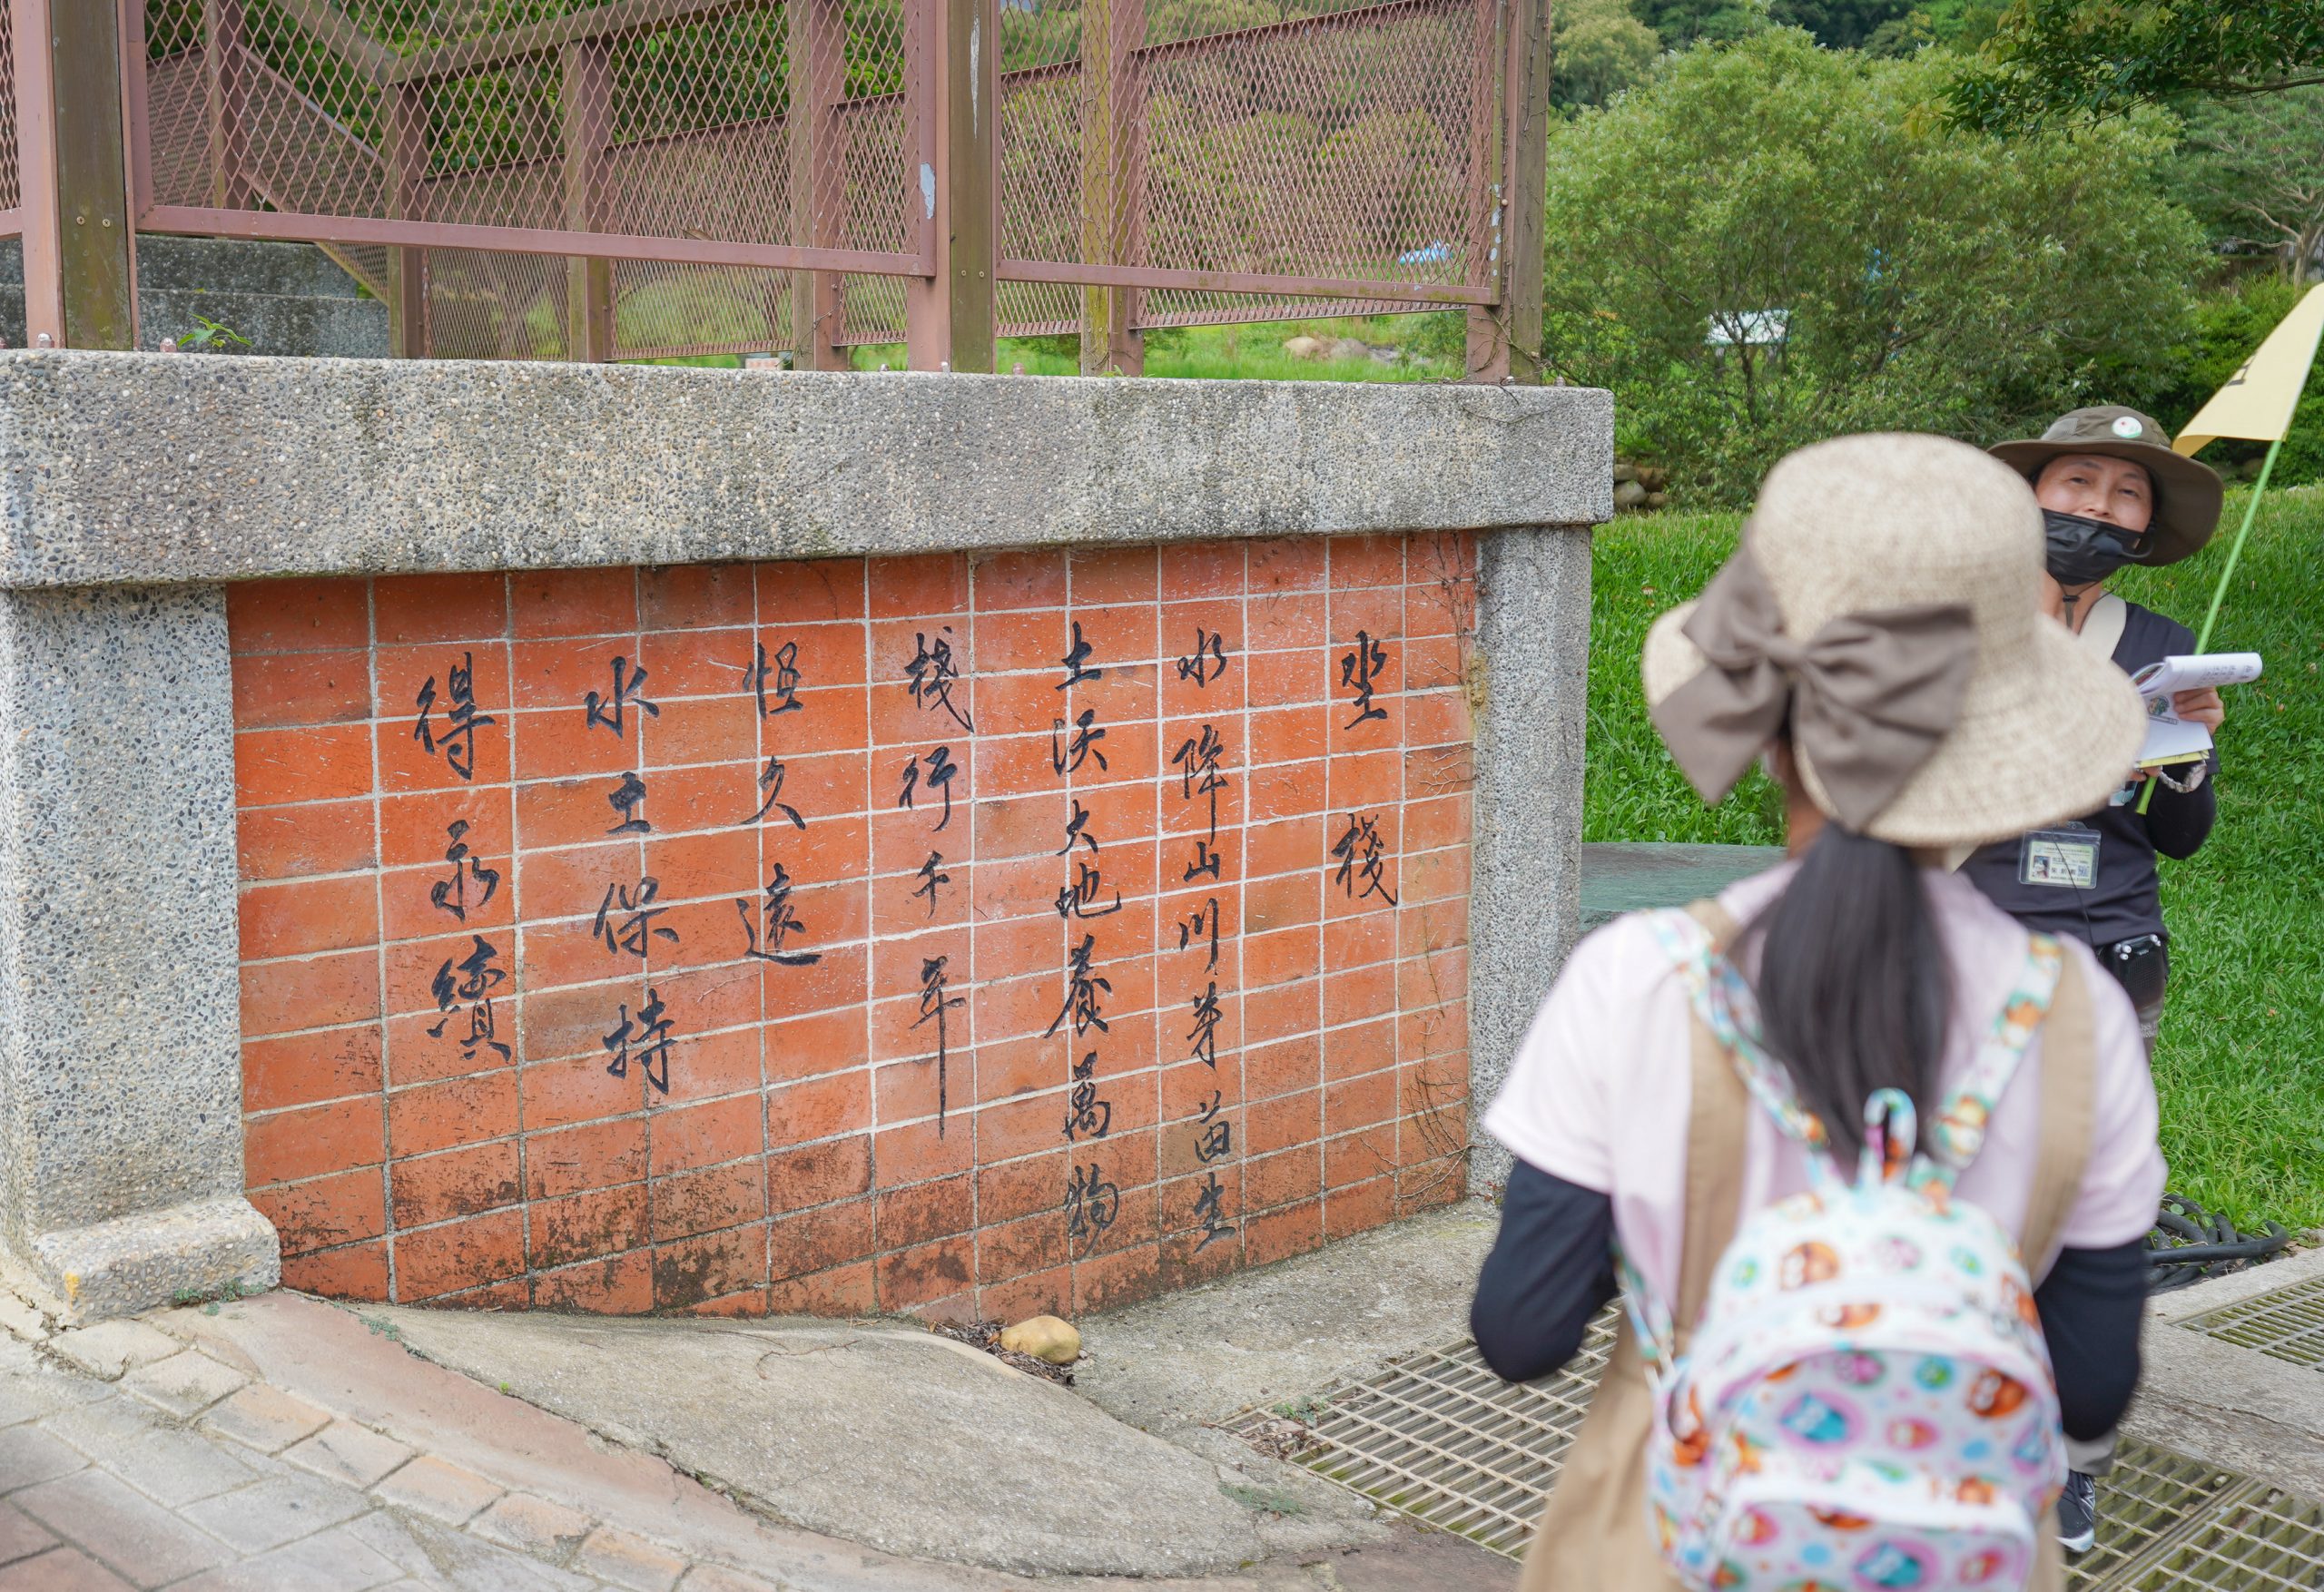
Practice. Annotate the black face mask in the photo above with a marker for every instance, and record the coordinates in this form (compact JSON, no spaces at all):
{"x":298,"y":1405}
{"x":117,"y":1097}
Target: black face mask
{"x":2083,"y":550}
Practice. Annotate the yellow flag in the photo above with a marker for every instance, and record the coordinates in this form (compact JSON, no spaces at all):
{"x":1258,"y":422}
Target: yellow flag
{"x":2258,"y":401}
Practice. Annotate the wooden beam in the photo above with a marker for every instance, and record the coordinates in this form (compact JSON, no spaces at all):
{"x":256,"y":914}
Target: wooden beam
{"x":225,"y":86}
{"x":80,"y":279}
{"x":817,"y":44}
{"x":1525,"y":192}
{"x":1487,"y":341}
{"x":972,"y":131}
{"x":587,"y":130}
{"x":407,"y":157}
{"x":604,"y":24}
{"x":1112,"y":31}
{"x":329,"y":27}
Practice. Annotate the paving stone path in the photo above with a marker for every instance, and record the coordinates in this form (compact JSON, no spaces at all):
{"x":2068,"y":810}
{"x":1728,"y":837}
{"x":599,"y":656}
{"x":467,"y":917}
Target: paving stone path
{"x":287,"y":1446}
{"x":128,"y":1459}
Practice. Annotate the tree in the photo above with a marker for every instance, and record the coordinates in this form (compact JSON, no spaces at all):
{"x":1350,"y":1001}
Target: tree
{"x":1840,"y":25}
{"x":1679,"y":22}
{"x":1602,"y":49}
{"x":1919,"y":276}
{"x":2053,"y":61}
{"x":2253,"y":170}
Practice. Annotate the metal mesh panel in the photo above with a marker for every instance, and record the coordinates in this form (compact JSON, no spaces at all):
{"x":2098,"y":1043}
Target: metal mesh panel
{"x":1328,"y":143}
{"x":1440,"y":1437}
{"x":663,"y":308}
{"x":487,"y":304}
{"x":1338,"y":142}
{"x":549,"y":117}
{"x":2284,"y":1322}
{"x":872,"y":310}
{"x":1335,"y":148}
{"x":2268,"y":1542}
{"x":1179,"y":307}
{"x":12,"y":191}
{"x":1443,"y":1439}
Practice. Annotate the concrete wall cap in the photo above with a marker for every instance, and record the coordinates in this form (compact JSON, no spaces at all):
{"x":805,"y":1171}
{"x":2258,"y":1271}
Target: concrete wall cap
{"x":162,"y":469}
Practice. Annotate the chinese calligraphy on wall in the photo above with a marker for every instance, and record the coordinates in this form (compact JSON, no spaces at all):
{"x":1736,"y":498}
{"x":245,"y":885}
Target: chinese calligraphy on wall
{"x":917,"y":933}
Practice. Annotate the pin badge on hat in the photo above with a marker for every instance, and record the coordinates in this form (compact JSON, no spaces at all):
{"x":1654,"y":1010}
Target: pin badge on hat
{"x":2127,"y":427}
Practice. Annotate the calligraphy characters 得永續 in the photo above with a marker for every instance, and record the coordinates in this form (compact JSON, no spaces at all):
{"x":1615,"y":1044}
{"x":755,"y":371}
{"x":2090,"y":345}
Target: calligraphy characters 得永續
{"x":470,"y":979}
{"x":456,"y":739}
{"x":450,"y":893}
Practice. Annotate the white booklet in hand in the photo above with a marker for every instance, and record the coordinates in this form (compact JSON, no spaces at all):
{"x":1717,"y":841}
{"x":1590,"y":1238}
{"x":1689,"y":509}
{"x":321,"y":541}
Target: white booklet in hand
{"x":2170,"y":739}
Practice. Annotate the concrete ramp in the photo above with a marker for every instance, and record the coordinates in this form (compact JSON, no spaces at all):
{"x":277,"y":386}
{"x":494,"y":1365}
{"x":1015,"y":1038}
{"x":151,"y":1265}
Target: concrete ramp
{"x":894,"y":1438}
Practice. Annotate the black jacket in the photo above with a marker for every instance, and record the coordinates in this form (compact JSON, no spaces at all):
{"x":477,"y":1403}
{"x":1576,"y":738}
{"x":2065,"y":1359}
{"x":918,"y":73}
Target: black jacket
{"x":2126,"y":900}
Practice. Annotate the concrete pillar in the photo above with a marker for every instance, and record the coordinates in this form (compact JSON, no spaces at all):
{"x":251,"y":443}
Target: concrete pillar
{"x":121,"y":1134}
{"x":1525,"y":882}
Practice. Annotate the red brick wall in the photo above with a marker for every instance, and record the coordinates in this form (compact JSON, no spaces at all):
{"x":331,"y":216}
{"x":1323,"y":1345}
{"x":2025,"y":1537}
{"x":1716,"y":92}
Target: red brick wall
{"x":441,"y":1105}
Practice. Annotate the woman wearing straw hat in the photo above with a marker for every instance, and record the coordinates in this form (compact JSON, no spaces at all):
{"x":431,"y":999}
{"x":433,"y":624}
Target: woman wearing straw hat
{"x":1877,"y":637}
{"x":2113,"y":493}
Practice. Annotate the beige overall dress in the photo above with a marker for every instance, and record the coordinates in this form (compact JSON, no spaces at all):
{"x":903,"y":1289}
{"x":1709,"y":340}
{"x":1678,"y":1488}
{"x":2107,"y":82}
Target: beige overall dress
{"x":1594,"y":1536}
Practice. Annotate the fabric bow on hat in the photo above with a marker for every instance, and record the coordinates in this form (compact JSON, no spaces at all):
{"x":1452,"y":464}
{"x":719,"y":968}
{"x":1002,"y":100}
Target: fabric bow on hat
{"x":1871,"y":694}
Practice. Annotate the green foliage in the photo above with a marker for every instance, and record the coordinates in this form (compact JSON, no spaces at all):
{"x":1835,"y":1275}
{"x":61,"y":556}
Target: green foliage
{"x":1679,"y":22}
{"x":2051,"y":61}
{"x":1930,"y":279}
{"x":210,"y":338}
{"x":1602,"y":49}
{"x":2241,"y":1064}
{"x":2228,"y":327}
{"x":1840,"y":25}
{"x":1643,"y":565}
{"x":2252,"y":171}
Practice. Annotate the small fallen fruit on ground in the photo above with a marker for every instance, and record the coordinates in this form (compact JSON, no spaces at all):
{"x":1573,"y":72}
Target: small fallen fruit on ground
{"x":1044,"y":1337}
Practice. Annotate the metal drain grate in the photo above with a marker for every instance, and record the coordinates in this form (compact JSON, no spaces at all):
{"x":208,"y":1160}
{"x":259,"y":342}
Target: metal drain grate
{"x":2286,"y":1323}
{"x":1441,"y":1437}
{"x":2150,"y":1502}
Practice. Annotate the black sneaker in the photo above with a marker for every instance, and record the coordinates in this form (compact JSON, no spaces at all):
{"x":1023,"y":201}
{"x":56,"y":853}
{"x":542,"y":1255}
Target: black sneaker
{"x":2078,"y":1512}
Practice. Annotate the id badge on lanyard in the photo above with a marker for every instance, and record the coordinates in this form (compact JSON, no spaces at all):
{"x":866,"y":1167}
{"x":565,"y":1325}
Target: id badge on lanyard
{"x":2064,"y":860}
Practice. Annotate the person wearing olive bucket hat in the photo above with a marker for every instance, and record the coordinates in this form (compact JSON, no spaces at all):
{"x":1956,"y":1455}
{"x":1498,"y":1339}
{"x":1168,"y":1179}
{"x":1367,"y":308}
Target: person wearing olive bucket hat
{"x":1879,"y":639}
{"x":2113,"y":492}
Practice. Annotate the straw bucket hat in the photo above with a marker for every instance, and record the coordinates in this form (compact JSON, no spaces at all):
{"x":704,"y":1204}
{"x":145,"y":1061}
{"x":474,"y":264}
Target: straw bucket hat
{"x":1884,"y":604}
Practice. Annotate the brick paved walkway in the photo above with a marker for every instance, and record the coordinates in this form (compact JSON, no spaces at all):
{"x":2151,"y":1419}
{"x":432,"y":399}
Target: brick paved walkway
{"x":161,"y":1453}
{"x":155,"y":1465}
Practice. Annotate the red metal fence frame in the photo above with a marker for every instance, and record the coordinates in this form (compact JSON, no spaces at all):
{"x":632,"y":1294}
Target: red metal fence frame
{"x":1117,"y":266}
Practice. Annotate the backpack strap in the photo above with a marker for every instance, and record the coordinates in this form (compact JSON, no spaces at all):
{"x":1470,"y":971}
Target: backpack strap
{"x":1718,"y":1109}
{"x":2062,"y":1151}
{"x":1958,"y":1130}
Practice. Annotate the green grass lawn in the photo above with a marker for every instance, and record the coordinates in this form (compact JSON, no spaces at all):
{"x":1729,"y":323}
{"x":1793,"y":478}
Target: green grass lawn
{"x":1245,"y":353}
{"x":2241,"y":1064}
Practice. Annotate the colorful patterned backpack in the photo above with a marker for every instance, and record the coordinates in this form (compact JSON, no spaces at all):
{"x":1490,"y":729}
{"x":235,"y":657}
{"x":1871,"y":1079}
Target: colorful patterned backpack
{"x":1867,"y":1403}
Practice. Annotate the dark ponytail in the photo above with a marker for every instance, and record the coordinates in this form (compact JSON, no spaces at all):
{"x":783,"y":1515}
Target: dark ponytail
{"x":1852,"y":981}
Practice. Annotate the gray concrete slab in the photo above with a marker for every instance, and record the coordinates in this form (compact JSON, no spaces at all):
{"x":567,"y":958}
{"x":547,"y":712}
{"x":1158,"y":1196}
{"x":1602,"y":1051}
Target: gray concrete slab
{"x":889,"y":1436}
{"x":2234,"y":1406}
{"x":123,"y":468}
{"x":121,"y":1127}
{"x":1620,"y":877}
{"x":1288,"y":1330}
{"x":1531,"y":691}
